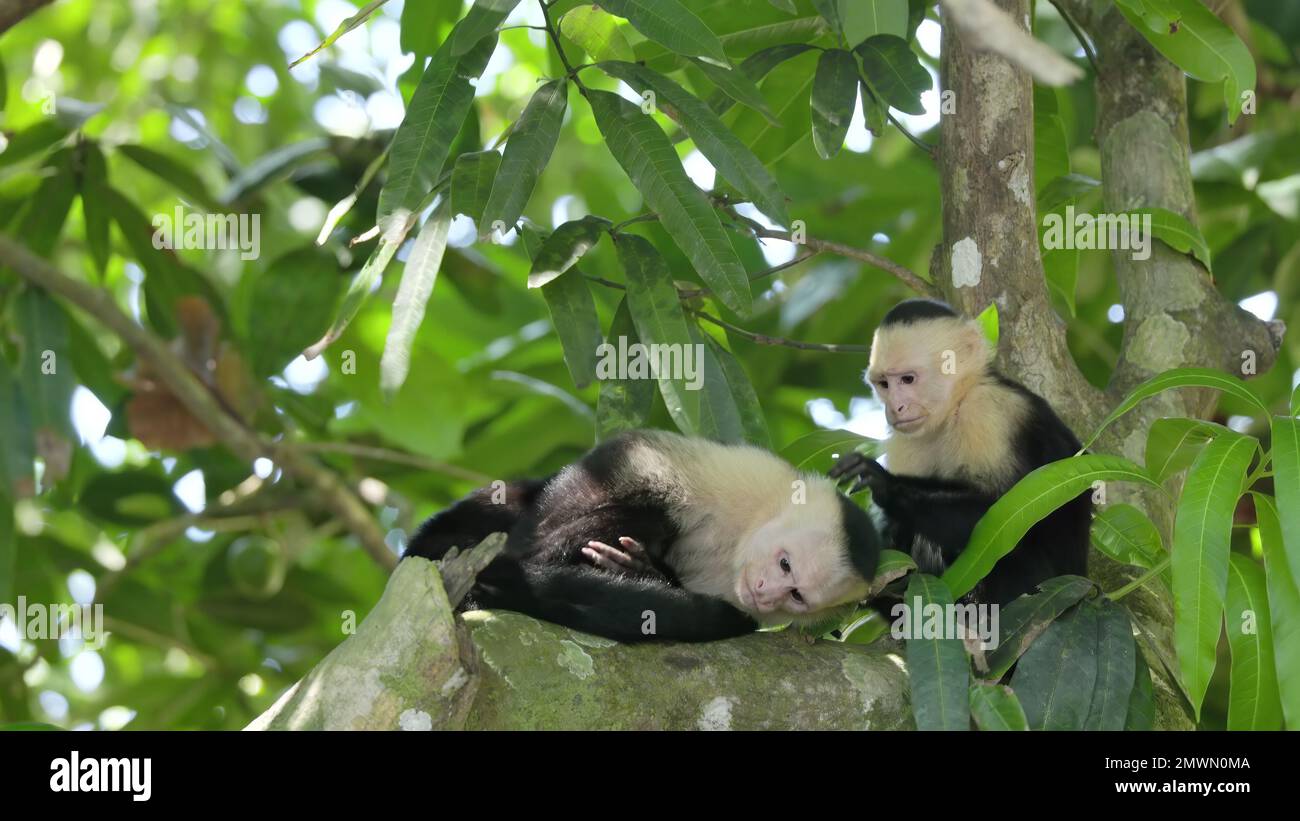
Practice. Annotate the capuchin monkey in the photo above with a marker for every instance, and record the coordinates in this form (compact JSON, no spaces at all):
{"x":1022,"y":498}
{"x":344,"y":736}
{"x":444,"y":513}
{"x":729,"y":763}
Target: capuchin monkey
{"x":653,"y":535}
{"x":963,"y":434}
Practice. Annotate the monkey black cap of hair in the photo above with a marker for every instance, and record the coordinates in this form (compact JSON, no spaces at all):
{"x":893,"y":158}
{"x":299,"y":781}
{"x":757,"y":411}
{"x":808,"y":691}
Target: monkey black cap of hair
{"x":863,"y":540}
{"x":914,"y":310}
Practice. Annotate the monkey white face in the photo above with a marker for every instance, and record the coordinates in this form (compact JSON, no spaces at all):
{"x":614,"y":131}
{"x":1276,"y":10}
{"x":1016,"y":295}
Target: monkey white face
{"x":920,"y":371}
{"x":790,"y":569}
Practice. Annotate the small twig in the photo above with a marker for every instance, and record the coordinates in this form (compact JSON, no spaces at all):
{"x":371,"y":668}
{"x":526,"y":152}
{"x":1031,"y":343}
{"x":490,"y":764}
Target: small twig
{"x":906,"y":276}
{"x":569,"y":70}
{"x":932,"y":150}
{"x":1141,"y":580}
{"x":764,"y":339}
{"x":649,"y":216}
{"x":1078,"y":35}
{"x":396,"y":457}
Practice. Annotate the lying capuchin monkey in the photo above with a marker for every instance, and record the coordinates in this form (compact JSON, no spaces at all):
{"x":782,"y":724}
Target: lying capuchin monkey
{"x":653,"y":535}
{"x":962,"y":436}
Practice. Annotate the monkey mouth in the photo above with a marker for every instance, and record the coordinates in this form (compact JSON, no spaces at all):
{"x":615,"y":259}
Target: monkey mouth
{"x":906,"y":424}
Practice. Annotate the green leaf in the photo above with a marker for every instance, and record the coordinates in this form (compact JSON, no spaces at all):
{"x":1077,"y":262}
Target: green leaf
{"x":413,"y":294}
{"x":1142,"y":701}
{"x":564,"y":247}
{"x":1295,"y":401}
{"x":753,"y":422}
{"x":1025,"y":619}
{"x":1202,"y":531}
{"x":573,"y":315}
{"x":719,"y":416}
{"x":623,"y":404}
{"x":817,"y":451}
{"x":650,"y":161}
{"x":1286,"y":483}
{"x":42,"y":223}
{"x":423,"y":22}
{"x":1116,"y":666}
{"x":597,"y":32}
{"x":45,"y":369}
{"x":895,"y":72}
{"x":395,"y":228}
{"x":1182,"y":378}
{"x":938,"y":671}
{"x":343,"y":28}
{"x":173,"y":172}
{"x":1031,"y":500}
{"x":1057,"y":675}
{"x":483,"y":18}
{"x":736,"y":163}
{"x":289,"y":306}
{"x":472,"y":181}
{"x":657,"y":314}
{"x":18,"y":445}
{"x":94,"y":206}
{"x":790,"y":85}
{"x":756,"y":66}
{"x":830,"y":12}
{"x":433,"y":119}
{"x":867,"y":18}
{"x":1173,"y":444}
{"x":271,"y":167}
{"x":1125,"y":534}
{"x":1177,"y":232}
{"x":1202,"y":45}
{"x":1283,"y":609}
{"x":1253,"y":699}
{"x":787,"y":6}
{"x":834,"y":94}
{"x":1064,"y":190}
{"x":995,"y":707}
{"x":672,"y":25}
{"x":738,"y":85}
{"x":527,"y":152}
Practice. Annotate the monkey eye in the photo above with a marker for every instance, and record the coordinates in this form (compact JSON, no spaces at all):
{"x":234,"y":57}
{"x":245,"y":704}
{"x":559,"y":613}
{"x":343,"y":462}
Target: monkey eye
{"x":785,"y":565}
{"x":797,"y":596}
{"x":908,"y":379}
{"x":884,"y":385}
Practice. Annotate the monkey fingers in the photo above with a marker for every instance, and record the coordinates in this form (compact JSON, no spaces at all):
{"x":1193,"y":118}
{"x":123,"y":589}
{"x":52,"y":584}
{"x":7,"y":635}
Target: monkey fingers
{"x":631,"y":559}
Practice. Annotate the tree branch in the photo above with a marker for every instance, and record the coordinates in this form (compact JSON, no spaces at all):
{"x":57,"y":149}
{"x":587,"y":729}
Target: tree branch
{"x":904,"y":275}
{"x":199,"y":401}
{"x":12,"y":12}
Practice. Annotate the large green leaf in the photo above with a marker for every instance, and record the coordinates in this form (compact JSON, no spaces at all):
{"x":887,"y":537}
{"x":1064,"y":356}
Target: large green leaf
{"x":1025,"y":619}
{"x":1176,"y":231}
{"x":527,"y":152}
{"x":573,"y":315}
{"x":472,"y":182}
{"x":647,"y":156}
{"x":289,"y":307}
{"x":1057,"y":675}
{"x":1116,"y":666}
{"x":895,"y":72}
{"x":657,"y":314}
{"x":995,"y":707}
{"x":728,"y":154}
{"x":1124,"y":533}
{"x":433,"y":119}
{"x":817,"y":451}
{"x":756,"y":66}
{"x":418,"y":278}
{"x":1142,"y":701}
{"x":861,"y":19}
{"x":175,"y":173}
{"x":670,"y":24}
{"x":624,"y":403}
{"x":720,"y":418}
{"x":94,"y":206}
{"x":1286,"y":482}
{"x":834,"y":93}
{"x":564,"y":247}
{"x":597,"y":32}
{"x":45,"y":369}
{"x":1253,"y":699}
{"x":1173,"y":444}
{"x":1283,"y":609}
{"x":393,"y":234}
{"x":1031,"y":500}
{"x":938,"y":671}
{"x":18,"y":444}
{"x":1202,"y":531}
{"x":1182,"y":378}
{"x":739,"y":86}
{"x":481,"y":20}
{"x":753,"y":422}
{"x":1198,"y":42}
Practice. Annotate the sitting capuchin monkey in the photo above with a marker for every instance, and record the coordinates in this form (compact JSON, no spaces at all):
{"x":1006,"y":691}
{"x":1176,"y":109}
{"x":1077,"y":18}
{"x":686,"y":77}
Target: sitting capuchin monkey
{"x":962,"y":436}
{"x":653,"y":535}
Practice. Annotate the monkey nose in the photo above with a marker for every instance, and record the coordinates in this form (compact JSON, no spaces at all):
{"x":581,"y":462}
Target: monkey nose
{"x":759,"y":585}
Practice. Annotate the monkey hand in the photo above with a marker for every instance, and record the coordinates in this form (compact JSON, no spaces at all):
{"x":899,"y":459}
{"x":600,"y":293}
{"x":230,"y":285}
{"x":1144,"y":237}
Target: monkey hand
{"x":632,"y":559}
{"x":865,"y":471}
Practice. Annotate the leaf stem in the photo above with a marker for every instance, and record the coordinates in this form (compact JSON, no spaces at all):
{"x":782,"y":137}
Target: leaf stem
{"x":1141,"y":580}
